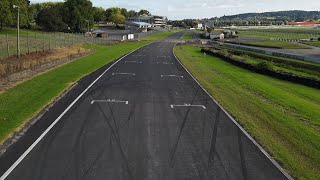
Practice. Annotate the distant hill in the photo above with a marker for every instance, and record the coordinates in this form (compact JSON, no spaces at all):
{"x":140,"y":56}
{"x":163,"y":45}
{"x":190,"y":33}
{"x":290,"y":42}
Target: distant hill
{"x":294,"y":15}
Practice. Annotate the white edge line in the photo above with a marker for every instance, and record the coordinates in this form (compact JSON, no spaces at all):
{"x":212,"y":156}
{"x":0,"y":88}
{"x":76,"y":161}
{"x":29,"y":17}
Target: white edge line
{"x":237,"y":124}
{"x":17,"y":162}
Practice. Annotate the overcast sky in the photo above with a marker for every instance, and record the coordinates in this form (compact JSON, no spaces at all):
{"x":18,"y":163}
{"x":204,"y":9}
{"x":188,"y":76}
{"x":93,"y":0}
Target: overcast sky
{"x":182,"y":9}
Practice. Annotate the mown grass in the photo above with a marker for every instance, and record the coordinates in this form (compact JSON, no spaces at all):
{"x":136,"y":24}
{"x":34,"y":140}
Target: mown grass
{"x":160,"y":35}
{"x":187,"y":36}
{"x":279,"y":35}
{"x":313,"y":43}
{"x":20,"y":103}
{"x":278,"y":44}
{"x":284,"y":117}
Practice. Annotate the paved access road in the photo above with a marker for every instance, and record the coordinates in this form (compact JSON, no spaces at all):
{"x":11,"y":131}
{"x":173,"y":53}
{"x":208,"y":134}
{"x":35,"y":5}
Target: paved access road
{"x":146,"y":118}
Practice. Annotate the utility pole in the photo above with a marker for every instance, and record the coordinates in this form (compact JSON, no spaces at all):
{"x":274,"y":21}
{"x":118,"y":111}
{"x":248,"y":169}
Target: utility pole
{"x":18,"y":33}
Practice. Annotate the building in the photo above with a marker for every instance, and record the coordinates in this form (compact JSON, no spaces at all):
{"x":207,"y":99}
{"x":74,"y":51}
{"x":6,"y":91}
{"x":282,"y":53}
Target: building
{"x":155,"y":21}
{"x":133,"y":26}
{"x":207,"y":25}
{"x":200,"y":26}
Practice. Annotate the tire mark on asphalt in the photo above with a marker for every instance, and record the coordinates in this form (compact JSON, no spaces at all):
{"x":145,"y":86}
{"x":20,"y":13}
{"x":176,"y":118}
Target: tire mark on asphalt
{"x":243,"y":161}
{"x":77,"y":143}
{"x":87,"y":171}
{"x":116,"y":136}
{"x":181,"y":129}
{"x":212,"y":151}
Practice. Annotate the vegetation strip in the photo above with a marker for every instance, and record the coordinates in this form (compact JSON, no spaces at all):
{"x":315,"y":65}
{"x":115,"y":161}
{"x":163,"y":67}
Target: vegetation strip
{"x":266,"y":69}
{"x":15,"y":109}
{"x":282,"y":116}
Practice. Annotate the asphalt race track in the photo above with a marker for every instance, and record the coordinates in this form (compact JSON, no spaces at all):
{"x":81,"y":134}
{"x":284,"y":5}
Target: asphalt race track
{"x":146,"y":118}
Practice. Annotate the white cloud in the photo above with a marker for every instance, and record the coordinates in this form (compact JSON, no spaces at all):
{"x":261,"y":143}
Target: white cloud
{"x":180,"y":9}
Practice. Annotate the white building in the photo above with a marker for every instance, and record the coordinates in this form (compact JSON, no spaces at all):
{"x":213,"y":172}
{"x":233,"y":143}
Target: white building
{"x":155,"y":21}
{"x":143,"y":26}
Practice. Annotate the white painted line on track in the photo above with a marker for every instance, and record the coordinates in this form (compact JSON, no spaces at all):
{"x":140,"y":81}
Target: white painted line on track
{"x":109,"y":101}
{"x":18,"y":161}
{"x":187,"y":105}
{"x":171,"y":76}
{"x":163,"y":56}
{"x":236,"y":123}
{"x":132,"y":74}
{"x":133,"y":62}
{"x":139,"y":55}
{"x":164,"y":63}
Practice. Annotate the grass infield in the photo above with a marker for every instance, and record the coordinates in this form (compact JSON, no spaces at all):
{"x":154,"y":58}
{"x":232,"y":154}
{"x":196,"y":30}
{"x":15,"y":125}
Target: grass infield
{"x":283,"y":117}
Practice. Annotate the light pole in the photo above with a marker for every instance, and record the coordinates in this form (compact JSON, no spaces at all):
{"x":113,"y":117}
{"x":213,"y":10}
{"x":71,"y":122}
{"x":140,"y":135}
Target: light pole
{"x":18,"y":33}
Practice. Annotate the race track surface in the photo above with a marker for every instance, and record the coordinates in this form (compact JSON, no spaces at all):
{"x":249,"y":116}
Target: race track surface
{"x":146,"y":118}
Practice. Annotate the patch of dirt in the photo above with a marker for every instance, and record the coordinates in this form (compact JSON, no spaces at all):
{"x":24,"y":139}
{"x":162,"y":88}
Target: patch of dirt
{"x":14,"y":71}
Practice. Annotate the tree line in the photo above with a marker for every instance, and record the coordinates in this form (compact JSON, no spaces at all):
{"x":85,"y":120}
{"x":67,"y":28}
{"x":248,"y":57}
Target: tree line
{"x":71,"y":15}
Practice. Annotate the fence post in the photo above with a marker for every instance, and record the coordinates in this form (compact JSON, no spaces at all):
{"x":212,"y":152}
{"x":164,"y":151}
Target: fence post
{"x":59,"y":39}
{"x":55,"y":40}
{"x":72,"y":36}
{"x":49,"y":42}
{"x":36,"y":42}
{"x":68,"y":39}
{"x":43,"y":41}
{"x":8,"y":49}
{"x":28,"y":43}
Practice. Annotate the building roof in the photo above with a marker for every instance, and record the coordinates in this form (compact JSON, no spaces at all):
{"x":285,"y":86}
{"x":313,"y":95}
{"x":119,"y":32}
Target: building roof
{"x":98,"y":31}
{"x":141,"y":23}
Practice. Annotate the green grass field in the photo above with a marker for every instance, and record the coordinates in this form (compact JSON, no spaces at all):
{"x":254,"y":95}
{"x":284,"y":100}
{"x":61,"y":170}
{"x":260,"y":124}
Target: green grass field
{"x":160,"y":35}
{"x":20,"y":103}
{"x":278,"y":44}
{"x":313,"y":43}
{"x":187,"y":36}
{"x":279,"y":35}
{"x":284,"y":117}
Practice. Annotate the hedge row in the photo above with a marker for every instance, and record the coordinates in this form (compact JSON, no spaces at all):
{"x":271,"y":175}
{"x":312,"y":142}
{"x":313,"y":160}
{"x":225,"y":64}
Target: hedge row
{"x":262,"y":68}
{"x":278,"y":60}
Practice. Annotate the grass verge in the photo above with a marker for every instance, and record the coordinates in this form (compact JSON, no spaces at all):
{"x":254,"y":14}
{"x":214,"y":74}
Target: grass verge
{"x":20,"y":103}
{"x":284,"y":117}
{"x":313,"y":43}
{"x":187,"y":36}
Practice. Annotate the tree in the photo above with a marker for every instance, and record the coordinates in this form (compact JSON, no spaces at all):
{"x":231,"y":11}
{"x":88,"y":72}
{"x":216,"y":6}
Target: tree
{"x":99,"y":14}
{"x":77,"y":13}
{"x":25,"y":17}
{"x":118,"y":18}
{"x":124,"y":12}
{"x":111,"y":11}
{"x":144,"y":12}
{"x":51,"y":20}
{"x":132,"y":13}
{"x":5,"y":13}
{"x":195,"y":23}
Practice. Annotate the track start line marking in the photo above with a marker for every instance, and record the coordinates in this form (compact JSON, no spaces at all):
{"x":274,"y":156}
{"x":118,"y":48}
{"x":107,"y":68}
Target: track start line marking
{"x":164,"y":56}
{"x":187,"y":105}
{"x":133,"y":74}
{"x":139,"y":55}
{"x":133,"y":62}
{"x":163,"y":63}
{"x":171,"y":76}
{"x":109,"y":101}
